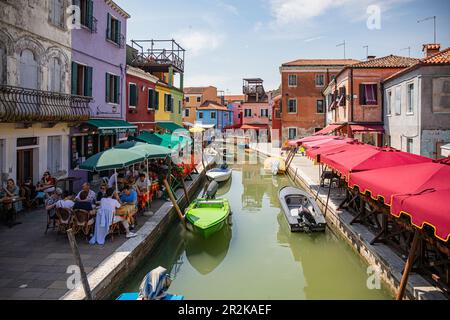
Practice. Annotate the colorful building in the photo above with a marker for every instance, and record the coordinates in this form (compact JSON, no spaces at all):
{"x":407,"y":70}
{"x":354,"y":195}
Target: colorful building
{"x":302,"y":82}
{"x":99,"y":71}
{"x":212,"y":113}
{"x":142,"y":98}
{"x":234,"y":102}
{"x":256,"y":106}
{"x":356,"y":105}
{"x":417,"y":105}
{"x":194,"y":97}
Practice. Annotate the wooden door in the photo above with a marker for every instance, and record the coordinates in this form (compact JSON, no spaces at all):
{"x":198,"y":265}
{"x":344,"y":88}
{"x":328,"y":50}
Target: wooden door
{"x":24,"y":165}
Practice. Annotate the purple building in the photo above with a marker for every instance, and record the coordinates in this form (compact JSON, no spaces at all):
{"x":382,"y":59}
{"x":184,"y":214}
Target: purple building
{"x":99,"y":71}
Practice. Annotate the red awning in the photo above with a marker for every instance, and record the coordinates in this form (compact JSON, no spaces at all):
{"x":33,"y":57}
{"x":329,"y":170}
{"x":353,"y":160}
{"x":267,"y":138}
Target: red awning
{"x":367,"y":128}
{"x":308,"y":139}
{"x":365,"y":157}
{"x":445,"y":161}
{"x":331,"y":146}
{"x":328,"y":129}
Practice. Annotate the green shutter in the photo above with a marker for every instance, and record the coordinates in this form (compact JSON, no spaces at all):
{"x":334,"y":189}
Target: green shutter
{"x":118,"y":27}
{"x":132,"y":93}
{"x":88,"y":82}
{"x":362,"y":94}
{"x":156,"y":104}
{"x":74,"y":78}
{"x":116,"y":89}
{"x":108,"y":29}
{"x":107,"y":87}
{"x":90,"y":14}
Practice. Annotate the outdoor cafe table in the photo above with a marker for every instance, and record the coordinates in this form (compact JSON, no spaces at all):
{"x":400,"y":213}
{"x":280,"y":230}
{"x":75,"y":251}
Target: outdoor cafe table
{"x":6,"y":204}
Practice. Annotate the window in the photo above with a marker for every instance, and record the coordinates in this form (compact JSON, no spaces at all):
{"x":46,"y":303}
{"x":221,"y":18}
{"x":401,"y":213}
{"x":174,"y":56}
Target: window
{"x":2,"y":63}
{"x":292,"y":106}
{"x":55,"y":75}
{"x":57,"y":13}
{"x":292,"y":133}
{"x":342,"y":96}
{"x":319,"y":106}
{"x":239,"y":115}
{"x":199,"y":99}
{"x":112,"y":88}
{"x":410,"y":100}
{"x":113,"y":32}
{"x":398,"y":100}
{"x":151,"y":103}
{"x":368,"y":94}
{"x":187,"y":99}
{"x":28,"y":70}
{"x":278,"y":113}
{"x":213,"y":115}
{"x":186,"y":112}
{"x":168,"y":102}
{"x":81,"y":80}
{"x":54,"y":153}
{"x":156,"y":104}
{"x":264,"y":113}
{"x":200,"y":115}
{"x":388,"y":102}
{"x":247,"y":113}
{"x":132,"y":95}
{"x":292,"y":80}
{"x":409,"y":145}
{"x":320,"y":80}
{"x":179,"y":106}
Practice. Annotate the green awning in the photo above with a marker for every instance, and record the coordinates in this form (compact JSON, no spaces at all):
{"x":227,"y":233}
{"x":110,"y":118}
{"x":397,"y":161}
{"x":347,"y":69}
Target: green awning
{"x":112,"y":159}
{"x":165,"y":140}
{"x":149,"y":151}
{"x":170,"y":126}
{"x":109,"y":126}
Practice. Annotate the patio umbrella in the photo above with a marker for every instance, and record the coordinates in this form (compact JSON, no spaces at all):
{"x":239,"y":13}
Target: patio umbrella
{"x":429,"y":206}
{"x":330,"y":146}
{"x":365,"y":157}
{"x":308,"y":139}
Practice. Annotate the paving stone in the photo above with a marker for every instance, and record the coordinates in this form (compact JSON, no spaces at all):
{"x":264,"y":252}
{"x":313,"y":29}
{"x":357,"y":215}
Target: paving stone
{"x":30,"y":293}
{"x":59,"y":284}
{"x":52,"y":294}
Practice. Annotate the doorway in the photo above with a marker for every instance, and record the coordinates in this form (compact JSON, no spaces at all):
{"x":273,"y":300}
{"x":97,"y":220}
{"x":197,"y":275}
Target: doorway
{"x":24,"y":165}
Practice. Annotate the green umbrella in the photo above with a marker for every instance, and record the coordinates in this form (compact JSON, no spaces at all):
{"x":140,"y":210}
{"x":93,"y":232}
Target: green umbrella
{"x":150,"y":151}
{"x":112,"y":159}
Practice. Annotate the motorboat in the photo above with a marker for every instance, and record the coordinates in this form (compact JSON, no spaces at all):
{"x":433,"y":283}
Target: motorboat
{"x":207,"y":216}
{"x":221,"y":174}
{"x":154,"y":286}
{"x":301,"y":210}
{"x":276,"y":165}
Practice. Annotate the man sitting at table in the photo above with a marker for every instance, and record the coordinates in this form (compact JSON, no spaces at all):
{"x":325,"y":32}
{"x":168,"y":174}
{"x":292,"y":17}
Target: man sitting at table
{"x":83,"y":203}
{"x":128,"y":196}
{"x":91,"y":196}
{"x":66,"y":202}
{"x":142,"y":187}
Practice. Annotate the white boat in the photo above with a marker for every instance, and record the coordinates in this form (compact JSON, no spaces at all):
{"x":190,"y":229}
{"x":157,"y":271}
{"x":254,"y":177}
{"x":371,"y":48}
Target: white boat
{"x":219,"y":174}
{"x":275,"y":165}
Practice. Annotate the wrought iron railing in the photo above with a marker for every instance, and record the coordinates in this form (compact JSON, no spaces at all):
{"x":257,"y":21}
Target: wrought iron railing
{"x":29,"y":105}
{"x":158,"y":52}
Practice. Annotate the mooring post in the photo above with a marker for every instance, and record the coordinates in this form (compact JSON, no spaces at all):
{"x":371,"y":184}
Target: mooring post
{"x":76,"y":255}
{"x":174,"y":202}
{"x":185,"y":189}
{"x":408,"y":265}
{"x":328,"y":197}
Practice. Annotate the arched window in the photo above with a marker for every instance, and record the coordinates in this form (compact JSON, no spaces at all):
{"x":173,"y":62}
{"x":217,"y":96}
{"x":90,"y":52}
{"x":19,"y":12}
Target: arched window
{"x":28,"y":76}
{"x":2,"y":63}
{"x":55,"y":75}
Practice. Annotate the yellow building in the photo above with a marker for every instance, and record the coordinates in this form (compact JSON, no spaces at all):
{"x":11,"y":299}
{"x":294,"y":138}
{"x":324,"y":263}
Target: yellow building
{"x":163,"y":112}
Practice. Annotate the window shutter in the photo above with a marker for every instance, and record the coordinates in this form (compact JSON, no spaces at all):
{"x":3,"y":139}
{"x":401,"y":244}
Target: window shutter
{"x":107,"y":88}
{"x":88,"y":82}
{"x":362,"y":94}
{"x":74,"y":78}
{"x":156,"y":104}
{"x":375,"y":89}
{"x":136,"y":90}
{"x":108,"y":29}
{"x":171,"y":104}
{"x":118,"y":29}
{"x":116,"y":89}
{"x":90,"y":14}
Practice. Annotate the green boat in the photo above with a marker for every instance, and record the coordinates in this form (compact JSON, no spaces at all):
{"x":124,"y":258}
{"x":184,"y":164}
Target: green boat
{"x":208,"y":216}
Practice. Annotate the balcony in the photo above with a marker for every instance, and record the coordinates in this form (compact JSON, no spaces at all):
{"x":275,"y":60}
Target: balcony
{"x":29,"y":105}
{"x":157,"y":55}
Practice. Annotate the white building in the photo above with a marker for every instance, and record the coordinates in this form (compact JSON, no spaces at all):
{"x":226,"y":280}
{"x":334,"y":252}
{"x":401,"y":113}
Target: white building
{"x":36,"y":108}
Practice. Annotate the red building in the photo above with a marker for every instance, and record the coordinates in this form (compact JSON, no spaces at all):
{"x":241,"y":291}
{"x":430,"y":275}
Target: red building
{"x":141,"y":98}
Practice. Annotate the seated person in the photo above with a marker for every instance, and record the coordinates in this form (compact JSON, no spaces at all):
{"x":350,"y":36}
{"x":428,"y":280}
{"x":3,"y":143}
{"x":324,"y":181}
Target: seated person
{"x":102,"y":193}
{"x":112,"y":180}
{"x":83,"y":202}
{"x":111,"y":202}
{"x":66,"y":202}
{"x":46,"y":185}
{"x":143,"y":184}
{"x":128,"y":196}
{"x":50,"y":204}
{"x":12,"y":191}
{"x":91,"y":196}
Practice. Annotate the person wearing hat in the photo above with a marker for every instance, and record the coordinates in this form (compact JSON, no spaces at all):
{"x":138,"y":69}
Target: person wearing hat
{"x":50,"y":205}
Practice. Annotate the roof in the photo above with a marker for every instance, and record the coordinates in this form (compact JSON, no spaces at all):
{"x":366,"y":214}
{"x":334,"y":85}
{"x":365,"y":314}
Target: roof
{"x":211,"y":105}
{"x":118,"y":9}
{"x":253,"y":79}
{"x":138,"y":72}
{"x":196,"y":90}
{"x":237,"y":97}
{"x":321,"y":62}
{"x":390,"y":61}
{"x":170,"y":126}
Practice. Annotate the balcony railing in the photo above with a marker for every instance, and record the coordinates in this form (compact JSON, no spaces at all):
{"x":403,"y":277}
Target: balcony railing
{"x":29,"y":105}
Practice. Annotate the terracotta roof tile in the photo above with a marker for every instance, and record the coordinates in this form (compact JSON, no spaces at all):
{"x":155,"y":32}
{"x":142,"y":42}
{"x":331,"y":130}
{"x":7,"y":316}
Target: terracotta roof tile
{"x":235,"y":98}
{"x":442,"y":57}
{"x":321,"y":62}
{"x":390,"y":61}
{"x":211,"y":105}
{"x":196,"y":90}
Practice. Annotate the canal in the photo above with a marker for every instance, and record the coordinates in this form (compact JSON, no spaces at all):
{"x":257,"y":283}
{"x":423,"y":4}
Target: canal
{"x":258,"y":257}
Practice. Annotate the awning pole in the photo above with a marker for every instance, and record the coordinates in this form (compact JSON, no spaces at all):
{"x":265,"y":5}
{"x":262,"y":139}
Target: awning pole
{"x":174,"y":202}
{"x":328,"y":196}
{"x":408,"y":265}
{"x":115,"y":174}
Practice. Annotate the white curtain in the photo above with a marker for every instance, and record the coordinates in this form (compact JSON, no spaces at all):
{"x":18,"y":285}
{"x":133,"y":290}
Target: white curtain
{"x":54,"y":148}
{"x":55,"y":75}
{"x":28,"y":70}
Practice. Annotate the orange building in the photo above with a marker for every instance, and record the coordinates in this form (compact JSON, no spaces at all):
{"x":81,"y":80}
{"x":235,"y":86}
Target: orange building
{"x":355,"y":97}
{"x":302,"y":102}
{"x":194,"y":97}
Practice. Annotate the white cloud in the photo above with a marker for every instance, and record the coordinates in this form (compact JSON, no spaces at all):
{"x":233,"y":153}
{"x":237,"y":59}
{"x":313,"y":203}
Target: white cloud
{"x":258,"y":26}
{"x":313,"y":39}
{"x":199,"y":41}
{"x":228,"y":7}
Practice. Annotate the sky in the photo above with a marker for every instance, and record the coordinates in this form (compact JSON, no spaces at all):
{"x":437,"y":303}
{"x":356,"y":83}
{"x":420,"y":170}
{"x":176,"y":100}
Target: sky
{"x":227,"y":41}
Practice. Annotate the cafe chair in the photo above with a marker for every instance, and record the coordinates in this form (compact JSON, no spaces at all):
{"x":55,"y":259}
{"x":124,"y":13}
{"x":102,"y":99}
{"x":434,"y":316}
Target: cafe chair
{"x":63,"y":220}
{"x":82,"y":222}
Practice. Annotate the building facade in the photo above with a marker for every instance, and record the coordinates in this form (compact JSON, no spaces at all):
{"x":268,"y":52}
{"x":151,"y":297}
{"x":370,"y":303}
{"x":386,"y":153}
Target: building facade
{"x":234,"y":102}
{"x":212,"y":113}
{"x":302,"y":81}
{"x":356,"y":106}
{"x":255,"y":109}
{"x":142,"y":98}
{"x":194,"y":97}
{"x":37,"y":110}
{"x":417,"y":105}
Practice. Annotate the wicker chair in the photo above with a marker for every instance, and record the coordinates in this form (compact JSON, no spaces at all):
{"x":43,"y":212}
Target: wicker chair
{"x":63,"y":219}
{"x":82,"y":221}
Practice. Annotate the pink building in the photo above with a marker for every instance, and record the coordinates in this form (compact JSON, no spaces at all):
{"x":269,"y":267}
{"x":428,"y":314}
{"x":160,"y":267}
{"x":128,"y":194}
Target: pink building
{"x":255,"y":109}
{"x":234,"y":102}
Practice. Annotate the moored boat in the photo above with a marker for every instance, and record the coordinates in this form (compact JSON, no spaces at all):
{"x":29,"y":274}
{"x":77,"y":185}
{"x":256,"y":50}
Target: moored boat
{"x":276,"y":165}
{"x":301,"y":210}
{"x":206,"y":217}
{"x":219,"y":174}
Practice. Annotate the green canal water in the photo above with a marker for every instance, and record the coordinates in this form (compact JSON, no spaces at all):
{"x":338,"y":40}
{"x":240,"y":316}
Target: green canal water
{"x":258,"y":257}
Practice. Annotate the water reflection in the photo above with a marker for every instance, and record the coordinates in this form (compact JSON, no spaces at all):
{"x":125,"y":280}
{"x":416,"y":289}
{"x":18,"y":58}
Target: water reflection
{"x":224,"y":188}
{"x":205,"y":255}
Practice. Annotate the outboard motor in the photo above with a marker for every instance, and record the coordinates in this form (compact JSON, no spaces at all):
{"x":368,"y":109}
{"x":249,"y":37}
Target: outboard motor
{"x":212,"y":190}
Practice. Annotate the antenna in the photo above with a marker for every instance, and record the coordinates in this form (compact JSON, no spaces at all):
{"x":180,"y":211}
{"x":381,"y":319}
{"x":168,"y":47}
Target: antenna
{"x":367,"y":50}
{"x":342,"y":44}
{"x":409,"y":51}
{"x":434,"y":23}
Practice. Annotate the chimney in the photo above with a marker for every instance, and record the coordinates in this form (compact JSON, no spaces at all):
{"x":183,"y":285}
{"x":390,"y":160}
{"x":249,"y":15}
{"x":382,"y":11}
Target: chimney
{"x":431,"y":48}
{"x":371,"y":57}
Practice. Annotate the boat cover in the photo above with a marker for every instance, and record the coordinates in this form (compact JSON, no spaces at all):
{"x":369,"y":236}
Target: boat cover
{"x":155,"y":284}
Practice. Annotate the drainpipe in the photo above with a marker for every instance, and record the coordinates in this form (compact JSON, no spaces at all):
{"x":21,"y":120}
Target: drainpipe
{"x":349,"y":132}
{"x":383,"y":142}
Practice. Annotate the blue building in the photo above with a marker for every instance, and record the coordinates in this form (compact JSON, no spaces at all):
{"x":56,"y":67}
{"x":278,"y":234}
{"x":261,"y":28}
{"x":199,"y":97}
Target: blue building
{"x":213,"y":113}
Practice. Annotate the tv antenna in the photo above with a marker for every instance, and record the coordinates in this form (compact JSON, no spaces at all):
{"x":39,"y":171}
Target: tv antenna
{"x":367,"y":50}
{"x":434,"y":24}
{"x":342,"y":44}
{"x":409,"y":51}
